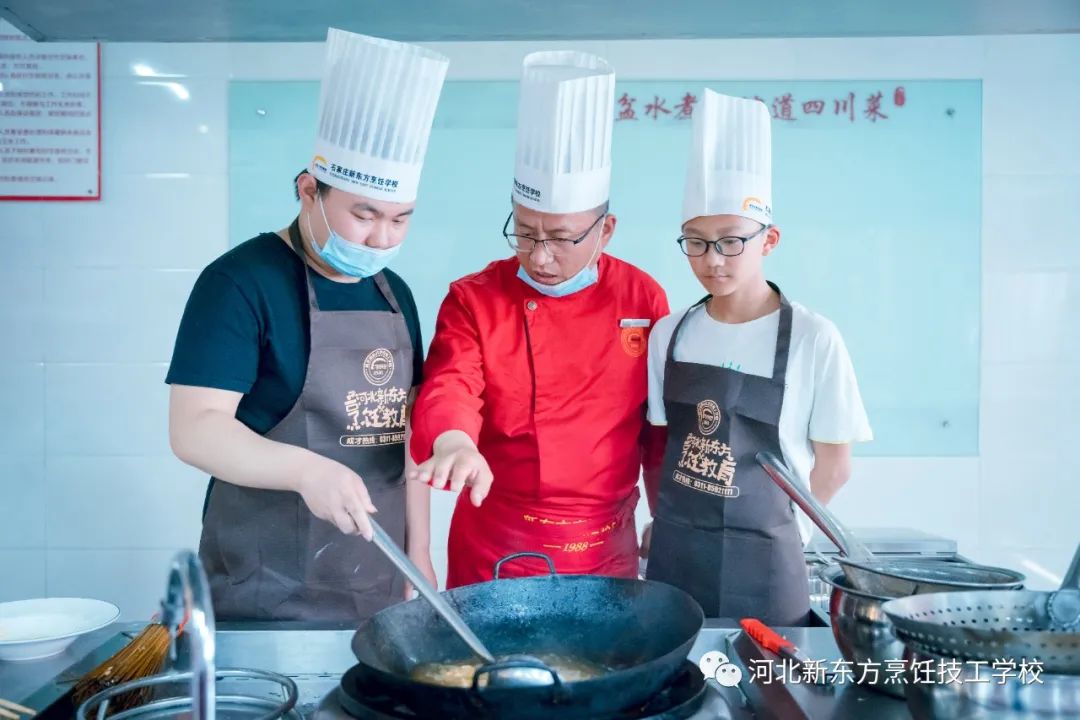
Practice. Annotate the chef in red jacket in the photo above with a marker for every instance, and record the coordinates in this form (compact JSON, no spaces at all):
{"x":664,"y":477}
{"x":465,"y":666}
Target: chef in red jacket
{"x":536,"y":380}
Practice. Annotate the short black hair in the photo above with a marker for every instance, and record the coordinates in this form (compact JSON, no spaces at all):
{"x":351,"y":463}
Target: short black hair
{"x":321,"y":188}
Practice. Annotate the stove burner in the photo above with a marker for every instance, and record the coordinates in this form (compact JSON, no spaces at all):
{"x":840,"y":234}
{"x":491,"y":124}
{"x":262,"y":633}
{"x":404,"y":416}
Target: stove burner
{"x":361,"y":699}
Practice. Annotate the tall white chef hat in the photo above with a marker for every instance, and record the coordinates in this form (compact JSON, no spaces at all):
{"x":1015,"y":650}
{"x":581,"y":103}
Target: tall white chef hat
{"x":565,"y":117}
{"x":376,"y":106}
{"x":730,"y":168}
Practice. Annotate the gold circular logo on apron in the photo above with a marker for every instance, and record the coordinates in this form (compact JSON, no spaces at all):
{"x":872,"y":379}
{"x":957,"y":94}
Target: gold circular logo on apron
{"x":379,"y":367}
{"x":708,"y":416}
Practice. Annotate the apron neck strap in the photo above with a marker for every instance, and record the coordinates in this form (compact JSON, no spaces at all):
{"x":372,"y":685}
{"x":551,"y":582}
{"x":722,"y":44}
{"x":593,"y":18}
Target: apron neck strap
{"x":297,"y":242}
{"x":682,"y":321}
{"x":384,"y":287}
{"x":295,"y":239}
{"x":783,"y":338}
{"x":783,"y":334}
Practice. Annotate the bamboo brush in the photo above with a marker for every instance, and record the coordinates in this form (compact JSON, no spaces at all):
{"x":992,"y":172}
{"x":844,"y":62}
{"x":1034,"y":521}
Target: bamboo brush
{"x":142,"y":657}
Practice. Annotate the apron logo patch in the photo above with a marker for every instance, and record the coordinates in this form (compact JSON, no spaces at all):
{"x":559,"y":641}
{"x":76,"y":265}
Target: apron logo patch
{"x":634,"y":341}
{"x":708,"y":416}
{"x":379,"y":367}
{"x":712,"y":465}
{"x":377,"y":417}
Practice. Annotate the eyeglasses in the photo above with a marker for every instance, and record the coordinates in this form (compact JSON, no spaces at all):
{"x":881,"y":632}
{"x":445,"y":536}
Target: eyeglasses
{"x":727,"y":246}
{"x":555,"y":246}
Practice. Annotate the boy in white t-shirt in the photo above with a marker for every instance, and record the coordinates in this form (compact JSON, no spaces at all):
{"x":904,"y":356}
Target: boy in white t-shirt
{"x":741,"y":372}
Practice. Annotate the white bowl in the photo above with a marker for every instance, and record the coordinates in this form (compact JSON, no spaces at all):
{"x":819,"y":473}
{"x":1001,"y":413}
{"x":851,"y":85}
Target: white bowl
{"x":41,"y":628}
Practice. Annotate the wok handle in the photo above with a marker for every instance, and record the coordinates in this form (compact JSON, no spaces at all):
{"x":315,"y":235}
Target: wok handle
{"x":515,"y":556}
{"x":849,"y":545}
{"x":513,"y":663}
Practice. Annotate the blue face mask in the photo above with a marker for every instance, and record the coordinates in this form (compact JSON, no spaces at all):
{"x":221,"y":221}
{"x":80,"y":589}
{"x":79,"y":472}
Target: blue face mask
{"x":359,"y":261}
{"x":581,"y":280}
{"x":586,"y":277}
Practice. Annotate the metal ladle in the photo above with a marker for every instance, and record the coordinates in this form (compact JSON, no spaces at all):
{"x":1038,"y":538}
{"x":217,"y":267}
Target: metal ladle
{"x":516,"y":671}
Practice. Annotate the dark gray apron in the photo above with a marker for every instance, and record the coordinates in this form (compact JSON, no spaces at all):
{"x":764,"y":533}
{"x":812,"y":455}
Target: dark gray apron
{"x":266,"y":555}
{"x":723,"y":531}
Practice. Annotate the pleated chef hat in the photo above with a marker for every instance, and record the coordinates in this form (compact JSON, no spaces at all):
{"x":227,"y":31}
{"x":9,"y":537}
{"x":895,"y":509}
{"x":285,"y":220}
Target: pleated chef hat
{"x":730,"y":168}
{"x":565,"y":117}
{"x":376,"y":106}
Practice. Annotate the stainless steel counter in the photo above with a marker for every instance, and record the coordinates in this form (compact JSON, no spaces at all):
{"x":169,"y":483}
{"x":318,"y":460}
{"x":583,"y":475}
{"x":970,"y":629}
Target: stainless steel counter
{"x":316,"y":659}
{"x":38,"y":683}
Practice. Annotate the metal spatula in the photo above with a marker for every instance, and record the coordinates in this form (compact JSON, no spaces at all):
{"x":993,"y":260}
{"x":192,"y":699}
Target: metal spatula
{"x":519,"y":671}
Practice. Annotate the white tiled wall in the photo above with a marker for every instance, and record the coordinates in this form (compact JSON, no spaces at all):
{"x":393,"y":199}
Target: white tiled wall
{"x":90,"y":295}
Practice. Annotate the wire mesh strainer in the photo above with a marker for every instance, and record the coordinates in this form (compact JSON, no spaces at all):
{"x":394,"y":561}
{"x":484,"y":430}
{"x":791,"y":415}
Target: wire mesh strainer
{"x":1041,"y":627}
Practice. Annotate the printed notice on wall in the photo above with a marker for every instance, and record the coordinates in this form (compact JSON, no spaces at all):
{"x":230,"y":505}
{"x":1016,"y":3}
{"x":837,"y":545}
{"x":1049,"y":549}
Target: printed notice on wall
{"x":50,"y":119}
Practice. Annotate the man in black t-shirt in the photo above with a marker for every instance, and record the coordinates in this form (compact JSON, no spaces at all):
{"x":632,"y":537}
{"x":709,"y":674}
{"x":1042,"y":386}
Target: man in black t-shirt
{"x":297,"y":359}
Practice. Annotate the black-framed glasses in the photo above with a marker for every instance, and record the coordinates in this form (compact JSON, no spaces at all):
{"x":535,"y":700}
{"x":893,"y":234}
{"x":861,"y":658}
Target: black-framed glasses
{"x":555,"y":246}
{"x":729,"y":246}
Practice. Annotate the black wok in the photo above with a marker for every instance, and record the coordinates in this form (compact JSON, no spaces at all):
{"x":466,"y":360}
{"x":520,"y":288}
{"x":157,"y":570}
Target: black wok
{"x":641,"y":631}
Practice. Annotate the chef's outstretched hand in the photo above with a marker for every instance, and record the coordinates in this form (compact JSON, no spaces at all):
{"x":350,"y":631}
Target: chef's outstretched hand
{"x":336,"y":494}
{"x":455,"y":464}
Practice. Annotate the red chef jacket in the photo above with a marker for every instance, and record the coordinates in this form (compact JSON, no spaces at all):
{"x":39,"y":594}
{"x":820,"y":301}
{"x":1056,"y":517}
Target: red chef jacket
{"x":553,"y":392}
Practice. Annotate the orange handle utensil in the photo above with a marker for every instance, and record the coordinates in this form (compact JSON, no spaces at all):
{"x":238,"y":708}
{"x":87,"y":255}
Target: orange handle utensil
{"x":772,"y":641}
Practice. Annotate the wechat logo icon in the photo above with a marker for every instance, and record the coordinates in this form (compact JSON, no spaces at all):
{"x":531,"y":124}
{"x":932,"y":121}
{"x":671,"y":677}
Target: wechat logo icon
{"x":715,"y":665}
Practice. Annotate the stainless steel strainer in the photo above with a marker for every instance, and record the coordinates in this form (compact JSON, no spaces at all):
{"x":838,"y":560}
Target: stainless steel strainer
{"x":998,"y":625}
{"x":887,"y":577}
{"x":895,"y":577}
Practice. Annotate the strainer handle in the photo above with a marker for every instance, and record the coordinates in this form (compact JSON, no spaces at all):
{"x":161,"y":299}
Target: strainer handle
{"x":850,"y":546}
{"x":1072,"y":577}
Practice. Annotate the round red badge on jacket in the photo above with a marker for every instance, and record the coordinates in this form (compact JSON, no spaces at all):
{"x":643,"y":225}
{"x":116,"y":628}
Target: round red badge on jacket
{"x":634,"y":341}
